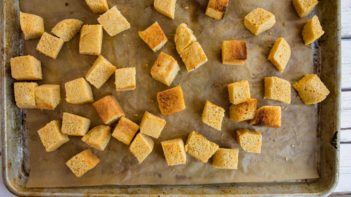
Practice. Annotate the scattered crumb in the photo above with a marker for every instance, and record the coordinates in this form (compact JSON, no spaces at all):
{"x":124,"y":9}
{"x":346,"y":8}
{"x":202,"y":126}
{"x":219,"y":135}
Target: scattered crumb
{"x":186,"y":7}
{"x":66,"y":4}
{"x":286,"y":159}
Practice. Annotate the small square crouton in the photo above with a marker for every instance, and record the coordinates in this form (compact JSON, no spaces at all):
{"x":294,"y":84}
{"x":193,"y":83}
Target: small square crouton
{"x":250,"y":141}
{"x":74,"y":125}
{"x":125,"y":130}
{"x":97,"y":6}
{"x":193,"y":56}
{"x":26,"y":68}
{"x":280,"y":54}
{"x":25,"y":94}
{"x":32,"y":25}
{"x":113,"y":21}
{"x":165,"y":69}
{"x":152,"y":125}
{"x":171,"y":101}
{"x":200,"y":147}
{"x":243,"y":111}
{"x":216,"y":8}
{"x":100,"y":72}
{"x":154,"y":37}
{"x":312,"y":30}
{"x":141,"y":147}
{"x":82,"y":162}
{"x":78,"y":91}
{"x":108,"y":109}
{"x":174,"y":151}
{"x":239,"y":92}
{"x":213,"y":115}
{"x":269,"y":116}
{"x":226,"y":158}
{"x":304,"y":7}
{"x":51,"y":136}
{"x":50,"y":45}
{"x":90,"y":42}
{"x":259,"y":20}
{"x":184,"y":36}
{"x":125,"y":79}
{"x":165,"y":7}
{"x":234,"y":52}
{"x":98,"y":137}
{"x":67,"y":28}
{"x":277,"y":89}
{"x":311,"y":89}
{"x":47,"y":96}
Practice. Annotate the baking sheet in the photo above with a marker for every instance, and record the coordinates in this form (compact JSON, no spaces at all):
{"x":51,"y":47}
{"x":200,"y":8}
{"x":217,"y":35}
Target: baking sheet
{"x":289,"y":153}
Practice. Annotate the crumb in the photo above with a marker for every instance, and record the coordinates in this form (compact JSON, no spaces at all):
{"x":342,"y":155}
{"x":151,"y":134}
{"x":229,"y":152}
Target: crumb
{"x":186,"y":7}
{"x":66,"y":4}
{"x":286,"y":159}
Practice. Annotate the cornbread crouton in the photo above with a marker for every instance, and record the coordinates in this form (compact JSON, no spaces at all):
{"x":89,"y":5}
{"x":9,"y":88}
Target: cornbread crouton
{"x":108,"y":109}
{"x":174,"y":151}
{"x":113,"y":21}
{"x":200,"y":147}
{"x":216,"y":8}
{"x":97,"y":6}
{"x":243,"y":111}
{"x":25,"y":94}
{"x":226,"y":158}
{"x":269,"y":116}
{"x":280,"y":54}
{"x":152,"y":125}
{"x":125,"y":130}
{"x":67,"y":28}
{"x":304,"y":7}
{"x":50,"y":45}
{"x":141,"y":147}
{"x":183,"y":37}
{"x":78,"y":91}
{"x":239,"y":92}
{"x":74,"y":125}
{"x":125,"y":79}
{"x":259,"y":20}
{"x":312,"y":30}
{"x":90,"y":41}
{"x":26,"y":68}
{"x":82,"y":162}
{"x":165,"y":7}
{"x":277,"y":89}
{"x":51,"y":136}
{"x":100,"y":72}
{"x":171,"y":101}
{"x":32,"y":25}
{"x":234,"y":52}
{"x":98,"y":137}
{"x":213,"y":115}
{"x":154,"y":37}
{"x":165,"y":69}
{"x":311,"y":89}
{"x":47,"y":96}
{"x":250,"y":141}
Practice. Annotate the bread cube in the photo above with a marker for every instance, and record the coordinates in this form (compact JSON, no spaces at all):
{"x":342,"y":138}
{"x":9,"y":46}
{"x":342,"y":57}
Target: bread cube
{"x":171,"y":101}
{"x":67,"y":28}
{"x":100,"y":72}
{"x":243,"y":111}
{"x":193,"y":56}
{"x":32,"y":25}
{"x":125,"y":79}
{"x":26,"y":68}
{"x":51,"y":136}
{"x":165,"y":69}
{"x":25,"y":94}
{"x":216,"y":8}
{"x":82,"y":162}
{"x":50,"y":45}
{"x":125,"y":130}
{"x":311,"y":89}
{"x":113,"y":21}
{"x":269,"y":116}
{"x":304,"y":7}
{"x":165,"y":7}
{"x":312,"y":30}
{"x":239,"y":92}
{"x":200,"y":147}
{"x":74,"y":125}
{"x":259,"y":20}
{"x":78,"y":91}
{"x":174,"y":151}
{"x":226,"y":158}
{"x":90,"y":42}
{"x":277,"y":89}
{"x":98,"y":137}
{"x":280,"y":54}
{"x":97,"y":6}
{"x":154,"y":37}
{"x":141,"y":147}
{"x":184,"y":36}
{"x":249,"y":140}
{"x":108,"y":109}
{"x":234,"y":52}
{"x":152,"y":125}
{"x":213,"y":115}
{"x":47,"y":96}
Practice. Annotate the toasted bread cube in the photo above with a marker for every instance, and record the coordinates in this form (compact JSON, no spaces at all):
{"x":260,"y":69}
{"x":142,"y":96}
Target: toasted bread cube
{"x":243,"y":111}
{"x":152,"y":125}
{"x":154,"y":37}
{"x":311,"y":89}
{"x":226,"y":158}
{"x":280,"y":54}
{"x":216,"y":8}
{"x":108,"y":109}
{"x":213,"y":115}
{"x":74,"y":125}
{"x":193,"y":56}
{"x":26,"y":68}
{"x":97,"y":6}
{"x":50,"y":45}
{"x":113,"y":21}
{"x":141,"y":147}
{"x":47,"y":96}
{"x":100,"y":72}
{"x":82,"y":162}
{"x":239,"y":92}
{"x":90,"y":42}
{"x":78,"y":91}
{"x":259,"y":20}
{"x":312,"y":30}
{"x":277,"y":89}
{"x":234,"y":52}
{"x":304,"y":7}
{"x":200,"y":147}
{"x":250,"y":141}
{"x":174,"y":151}
{"x":51,"y":136}
{"x":67,"y":28}
{"x":165,"y":7}
{"x":184,"y":36}
{"x":269,"y":116}
{"x":165,"y":69}
{"x":171,"y":101}
{"x":125,"y":130}
{"x":25,"y":94}
{"x":125,"y":79}
{"x":98,"y":137}
{"x":32,"y":25}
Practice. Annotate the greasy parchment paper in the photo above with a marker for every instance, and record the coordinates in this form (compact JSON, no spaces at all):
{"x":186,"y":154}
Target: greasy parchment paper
{"x":290,"y":153}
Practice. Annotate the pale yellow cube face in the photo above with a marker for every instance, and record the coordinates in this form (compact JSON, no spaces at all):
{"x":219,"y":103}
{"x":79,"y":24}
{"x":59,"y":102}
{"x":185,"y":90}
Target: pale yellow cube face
{"x":280,"y":54}
{"x":174,"y":152}
{"x":108,"y":109}
{"x":239,"y":92}
{"x":67,"y":28}
{"x":47,"y":96}
{"x":312,"y":30}
{"x":32,"y":25}
{"x":183,"y":38}
{"x":98,"y":137}
{"x":141,"y":147}
{"x":200,"y":147}
{"x":165,"y":7}
{"x":249,"y":140}
{"x":51,"y":136}
{"x":152,"y":125}
{"x":25,"y":94}
{"x":165,"y":69}
{"x":226,"y":158}
{"x":234,"y":52}
{"x":26,"y":68}
{"x":304,"y":7}
{"x":277,"y":89}
{"x":78,"y":91}
{"x":100,"y":72}
{"x":125,"y":79}
{"x":216,"y":8}
{"x":269,"y":116}
{"x":74,"y":125}
{"x":171,"y":101}
{"x":259,"y":20}
{"x":243,"y":111}
{"x":125,"y":130}
{"x":193,"y":56}
{"x":154,"y":37}
{"x":97,"y":6}
{"x":113,"y":21}
{"x":82,"y":162}
{"x":213,"y":115}
{"x":50,"y":45}
{"x":90,"y":42}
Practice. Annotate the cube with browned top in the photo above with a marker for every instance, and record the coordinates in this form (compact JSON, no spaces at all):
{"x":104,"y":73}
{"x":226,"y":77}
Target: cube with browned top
{"x":113,"y":21}
{"x":249,"y":140}
{"x":277,"y":89}
{"x":74,"y":125}
{"x":216,"y":8}
{"x":78,"y":91}
{"x":51,"y":137}
{"x":125,"y":79}
{"x":98,"y":137}
{"x":200,"y":147}
{"x":234,"y":52}
{"x":239,"y":92}
{"x":47,"y":96}
{"x":125,"y":130}
{"x":26,"y":68}
{"x":82,"y":162}
{"x":165,"y":69}
{"x":152,"y":125}
{"x":154,"y":37}
{"x":100,"y":72}
{"x":108,"y":109}
{"x":174,"y":151}
{"x":226,"y":158}
{"x":171,"y":101}
{"x":213,"y":115}
{"x":141,"y":147}
{"x":97,"y":6}
{"x":90,"y":42}
{"x":32,"y":25}
{"x":259,"y":20}
{"x":243,"y":111}
{"x":50,"y":45}
{"x":269,"y":116}
{"x":25,"y":94}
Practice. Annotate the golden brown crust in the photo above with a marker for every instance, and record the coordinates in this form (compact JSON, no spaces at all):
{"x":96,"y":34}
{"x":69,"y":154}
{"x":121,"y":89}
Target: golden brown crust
{"x":269,"y":116}
{"x":108,"y":109}
{"x":171,"y":101}
{"x":243,"y":111}
{"x":219,"y":5}
{"x":234,"y":52}
{"x":153,"y":36}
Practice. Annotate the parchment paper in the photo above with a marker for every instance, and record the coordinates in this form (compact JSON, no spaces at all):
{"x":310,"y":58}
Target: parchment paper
{"x":289,"y":153}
